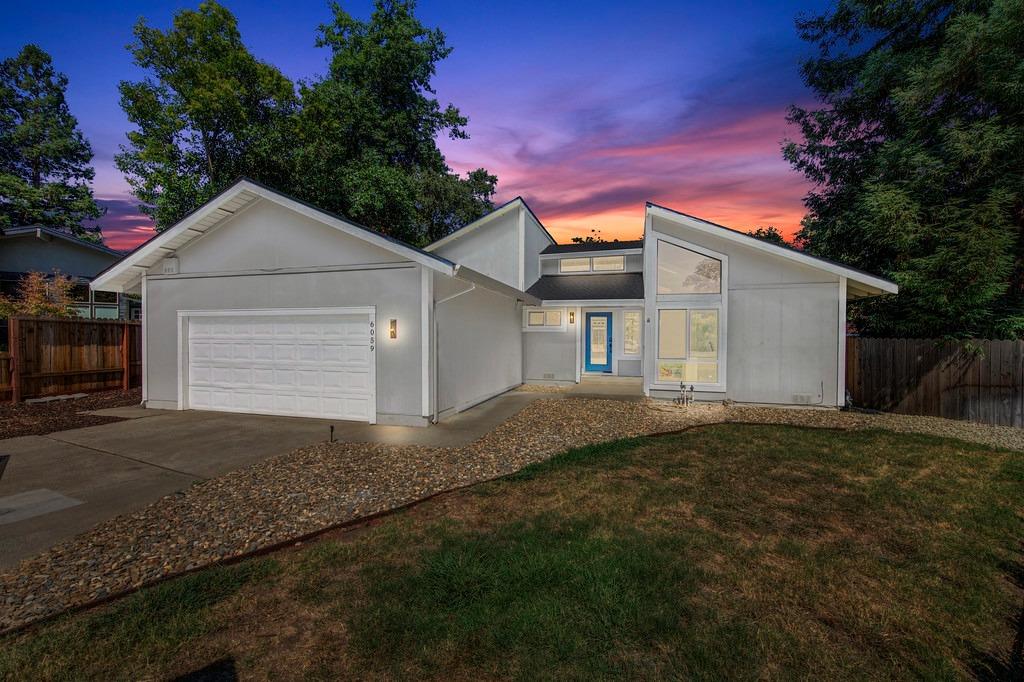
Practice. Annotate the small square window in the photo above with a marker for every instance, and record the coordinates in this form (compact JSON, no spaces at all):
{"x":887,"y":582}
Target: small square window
{"x":553,"y":318}
{"x":536,"y":318}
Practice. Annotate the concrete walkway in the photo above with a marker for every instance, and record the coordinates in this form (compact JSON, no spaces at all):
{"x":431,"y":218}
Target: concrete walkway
{"x":64,"y":483}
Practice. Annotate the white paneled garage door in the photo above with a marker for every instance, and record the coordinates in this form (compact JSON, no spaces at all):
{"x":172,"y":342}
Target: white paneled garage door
{"x":292,"y":363}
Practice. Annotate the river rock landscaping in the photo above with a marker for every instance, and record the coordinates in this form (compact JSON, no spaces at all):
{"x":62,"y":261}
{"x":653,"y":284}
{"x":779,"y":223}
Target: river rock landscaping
{"x":292,"y":496}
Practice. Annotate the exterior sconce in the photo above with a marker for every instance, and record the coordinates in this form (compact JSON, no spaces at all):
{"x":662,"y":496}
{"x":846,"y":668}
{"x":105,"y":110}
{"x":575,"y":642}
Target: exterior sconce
{"x":572,"y":317}
{"x":393,"y":329}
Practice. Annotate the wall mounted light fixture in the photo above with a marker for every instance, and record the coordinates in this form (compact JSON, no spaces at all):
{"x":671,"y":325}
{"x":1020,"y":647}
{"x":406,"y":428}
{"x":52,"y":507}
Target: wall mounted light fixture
{"x":572,"y":317}
{"x":393,"y":329}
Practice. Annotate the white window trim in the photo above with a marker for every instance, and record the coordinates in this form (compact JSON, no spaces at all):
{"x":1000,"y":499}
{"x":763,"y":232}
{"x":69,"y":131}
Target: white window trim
{"x":640,"y":330}
{"x":653,"y":302}
{"x":545,"y":328}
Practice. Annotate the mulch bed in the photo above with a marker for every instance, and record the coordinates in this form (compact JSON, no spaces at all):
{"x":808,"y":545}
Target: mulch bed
{"x":37,"y":419}
{"x":324,"y":485}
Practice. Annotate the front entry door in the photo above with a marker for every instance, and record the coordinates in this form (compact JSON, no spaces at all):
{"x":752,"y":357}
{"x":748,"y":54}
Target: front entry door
{"x":599,"y":342}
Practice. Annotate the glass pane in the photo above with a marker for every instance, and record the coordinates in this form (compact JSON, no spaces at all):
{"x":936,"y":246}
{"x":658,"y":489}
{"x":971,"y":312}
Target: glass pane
{"x":598,"y":340}
{"x":704,"y":334}
{"x":681,"y":271}
{"x":574,"y":265}
{"x":105,"y":313}
{"x":707,"y":372}
{"x":536,"y":318}
{"x":670,"y":371}
{"x":671,"y":334}
{"x":80,"y":310}
{"x":631,"y":332}
{"x":610,"y":263}
{"x":104,"y":296}
{"x":80,"y":293}
{"x":553,"y":318}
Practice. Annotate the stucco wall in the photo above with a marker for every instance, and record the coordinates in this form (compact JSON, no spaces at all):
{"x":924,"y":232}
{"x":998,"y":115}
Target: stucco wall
{"x":783,"y":324}
{"x":536,"y":241}
{"x":492,"y":249}
{"x":479,"y":345}
{"x":550,"y":356}
{"x":26,"y":253}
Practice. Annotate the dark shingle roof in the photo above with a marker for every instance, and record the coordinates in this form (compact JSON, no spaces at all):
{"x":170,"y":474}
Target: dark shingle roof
{"x":588,"y":287}
{"x":594,"y":246}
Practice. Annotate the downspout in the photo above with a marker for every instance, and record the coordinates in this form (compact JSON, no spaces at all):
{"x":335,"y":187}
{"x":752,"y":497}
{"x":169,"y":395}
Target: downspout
{"x":433,"y":343}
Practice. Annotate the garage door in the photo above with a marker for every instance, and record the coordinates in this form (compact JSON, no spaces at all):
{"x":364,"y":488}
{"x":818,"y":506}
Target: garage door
{"x":303,"y":365}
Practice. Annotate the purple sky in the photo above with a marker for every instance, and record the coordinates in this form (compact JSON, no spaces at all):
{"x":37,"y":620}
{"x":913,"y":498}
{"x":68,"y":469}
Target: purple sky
{"x":587,"y":109}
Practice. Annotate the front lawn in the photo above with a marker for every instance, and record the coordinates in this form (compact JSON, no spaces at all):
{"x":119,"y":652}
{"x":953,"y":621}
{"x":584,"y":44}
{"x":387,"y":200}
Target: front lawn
{"x":735,"y":552}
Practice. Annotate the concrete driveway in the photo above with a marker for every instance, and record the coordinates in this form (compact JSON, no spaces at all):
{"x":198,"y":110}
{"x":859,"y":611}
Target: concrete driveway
{"x":64,"y":483}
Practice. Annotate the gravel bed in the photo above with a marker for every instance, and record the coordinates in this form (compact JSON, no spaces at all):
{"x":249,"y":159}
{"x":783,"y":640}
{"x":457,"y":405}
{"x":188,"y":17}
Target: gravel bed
{"x":37,"y":419}
{"x":322,"y":485}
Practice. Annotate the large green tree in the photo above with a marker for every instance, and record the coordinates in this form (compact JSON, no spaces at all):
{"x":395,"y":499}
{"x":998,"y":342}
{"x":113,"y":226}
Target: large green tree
{"x":209,"y":112}
{"x":368,"y":130}
{"x":917,"y":155}
{"x":45,"y":170}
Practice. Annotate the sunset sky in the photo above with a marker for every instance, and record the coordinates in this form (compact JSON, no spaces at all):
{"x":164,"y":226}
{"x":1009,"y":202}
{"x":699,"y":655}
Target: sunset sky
{"x":586,"y":109}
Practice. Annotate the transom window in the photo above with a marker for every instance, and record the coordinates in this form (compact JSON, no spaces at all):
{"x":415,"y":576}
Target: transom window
{"x":574,"y":265}
{"x":606,"y":263}
{"x":682,"y":271}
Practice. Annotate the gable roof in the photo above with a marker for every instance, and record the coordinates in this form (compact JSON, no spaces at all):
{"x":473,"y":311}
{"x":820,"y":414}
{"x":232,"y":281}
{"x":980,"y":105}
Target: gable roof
{"x":859,"y":283}
{"x":483,"y":220}
{"x":594,"y":246}
{"x":243,"y":193}
{"x":40,"y":230}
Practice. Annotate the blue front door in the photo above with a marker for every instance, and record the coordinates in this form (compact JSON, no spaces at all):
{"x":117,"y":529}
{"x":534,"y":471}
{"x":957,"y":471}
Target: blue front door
{"x":599,"y":342}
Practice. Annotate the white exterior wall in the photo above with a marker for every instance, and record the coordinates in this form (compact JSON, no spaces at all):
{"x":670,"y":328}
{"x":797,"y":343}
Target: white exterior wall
{"x":229,"y":269}
{"x":479,"y":344}
{"x":536,"y":241}
{"x":550,"y":355}
{"x":782,"y":329}
{"x":492,"y":249}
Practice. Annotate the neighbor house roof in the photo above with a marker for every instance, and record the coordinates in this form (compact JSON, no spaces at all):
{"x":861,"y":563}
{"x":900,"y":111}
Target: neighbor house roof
{"x":244,"y":192}
{"x":594,"y":246}
{"x":483,"y":220}
{"x":614,"y":287}
{"x":859,"y":283}
{"x":43,"y":232}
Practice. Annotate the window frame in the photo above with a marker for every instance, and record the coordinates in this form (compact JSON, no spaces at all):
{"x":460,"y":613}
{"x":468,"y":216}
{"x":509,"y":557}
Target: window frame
{"x":639,"y":330}
{"x":562,"y":261}
{"x":546,"y":312}
{"x":620,"y":259}
{"x":656,"y":302}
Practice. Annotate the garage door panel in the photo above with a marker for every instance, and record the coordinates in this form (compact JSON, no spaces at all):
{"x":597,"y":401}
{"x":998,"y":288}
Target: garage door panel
{"x":302,"y":365}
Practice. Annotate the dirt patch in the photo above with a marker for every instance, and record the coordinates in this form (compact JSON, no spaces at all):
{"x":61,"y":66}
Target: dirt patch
{"x":37,"y":419}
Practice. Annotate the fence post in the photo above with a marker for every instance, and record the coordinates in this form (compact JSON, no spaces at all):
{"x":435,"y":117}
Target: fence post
{"x":125,"y":356}
{"x":13,"y":339}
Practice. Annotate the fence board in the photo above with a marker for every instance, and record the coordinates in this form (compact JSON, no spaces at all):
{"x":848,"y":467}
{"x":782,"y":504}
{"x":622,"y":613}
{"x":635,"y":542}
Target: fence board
{"x":980,"y":380}
{"x":50,"y":356}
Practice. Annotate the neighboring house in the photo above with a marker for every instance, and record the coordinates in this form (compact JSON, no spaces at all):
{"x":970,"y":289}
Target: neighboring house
{"x":257,"y":302}
{"x":34,"y":248}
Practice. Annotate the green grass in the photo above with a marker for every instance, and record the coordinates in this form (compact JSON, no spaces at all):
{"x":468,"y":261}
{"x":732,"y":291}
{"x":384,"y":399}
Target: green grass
{"x":735,"y":552}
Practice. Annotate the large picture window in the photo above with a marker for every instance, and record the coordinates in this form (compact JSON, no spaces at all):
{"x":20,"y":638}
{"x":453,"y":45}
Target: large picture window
{"x":688,"y":347}
{"x":682,"y":271}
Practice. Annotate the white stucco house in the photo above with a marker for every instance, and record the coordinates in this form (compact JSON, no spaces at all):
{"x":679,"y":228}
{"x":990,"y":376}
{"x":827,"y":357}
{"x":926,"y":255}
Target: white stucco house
{"x":257,"y":302}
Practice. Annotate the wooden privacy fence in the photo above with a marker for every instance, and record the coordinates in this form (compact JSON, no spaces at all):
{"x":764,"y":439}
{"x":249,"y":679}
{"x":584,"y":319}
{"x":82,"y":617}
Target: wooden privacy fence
{"x":979,"y":380}
{"x":56,"y":356}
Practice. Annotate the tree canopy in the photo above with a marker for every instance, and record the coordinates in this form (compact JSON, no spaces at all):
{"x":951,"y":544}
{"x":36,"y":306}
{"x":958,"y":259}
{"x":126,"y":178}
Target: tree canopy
{"x":45,"y":160}
{"x":769,"y":234}
{"x":209,"y":113}
{"x":360,"y":141}
{"x":917,"y":155}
